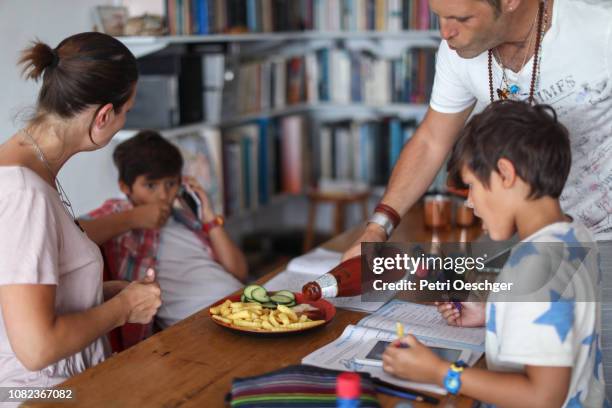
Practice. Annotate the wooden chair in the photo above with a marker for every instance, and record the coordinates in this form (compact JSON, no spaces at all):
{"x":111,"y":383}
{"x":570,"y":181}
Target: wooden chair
{"x":340,"y":200}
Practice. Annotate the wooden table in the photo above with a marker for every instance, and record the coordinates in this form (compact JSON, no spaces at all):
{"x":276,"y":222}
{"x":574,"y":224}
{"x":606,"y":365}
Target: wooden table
{"x":192,"y":363}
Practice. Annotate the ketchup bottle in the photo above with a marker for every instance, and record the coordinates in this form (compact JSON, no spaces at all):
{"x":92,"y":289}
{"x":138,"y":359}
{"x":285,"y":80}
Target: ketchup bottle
{"x":343,"y":280}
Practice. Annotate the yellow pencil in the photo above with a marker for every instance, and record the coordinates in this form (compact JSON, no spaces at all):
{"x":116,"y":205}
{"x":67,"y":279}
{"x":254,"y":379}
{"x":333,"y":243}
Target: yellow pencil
{"x":399,"y":329}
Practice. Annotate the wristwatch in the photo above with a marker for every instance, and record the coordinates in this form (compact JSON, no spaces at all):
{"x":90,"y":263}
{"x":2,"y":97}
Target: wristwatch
{"x":452,"y":381}
{"x":218,"y":221}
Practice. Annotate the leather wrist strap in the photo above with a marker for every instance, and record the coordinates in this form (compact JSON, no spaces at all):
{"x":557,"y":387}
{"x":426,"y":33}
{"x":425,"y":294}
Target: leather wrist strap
{"x":389,"y":212}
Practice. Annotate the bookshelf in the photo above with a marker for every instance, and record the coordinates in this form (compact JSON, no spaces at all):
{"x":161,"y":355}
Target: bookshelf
{"x":141,"y":46}
{"x":266,"y":151}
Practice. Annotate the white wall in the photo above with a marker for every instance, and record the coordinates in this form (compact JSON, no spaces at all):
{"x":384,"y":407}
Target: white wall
{"x":88,"y":178}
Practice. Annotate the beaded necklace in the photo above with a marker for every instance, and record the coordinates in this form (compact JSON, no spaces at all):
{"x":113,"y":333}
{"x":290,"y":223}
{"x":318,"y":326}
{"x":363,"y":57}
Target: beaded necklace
{"x":511,"y":90}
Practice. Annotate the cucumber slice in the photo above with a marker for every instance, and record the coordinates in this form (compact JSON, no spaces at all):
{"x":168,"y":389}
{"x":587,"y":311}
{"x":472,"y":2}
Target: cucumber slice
{"x":280,"y":299}
{"x":259,"y":294}
{"x":287,"y":293}
{"x":248,"y":291}
{"x":291,"y":304}
{"x":269,"y":305}
{"x":243,"y":298}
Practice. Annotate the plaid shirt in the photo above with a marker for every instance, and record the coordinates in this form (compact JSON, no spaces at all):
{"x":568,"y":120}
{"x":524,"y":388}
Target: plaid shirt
{"x":129,"y":255}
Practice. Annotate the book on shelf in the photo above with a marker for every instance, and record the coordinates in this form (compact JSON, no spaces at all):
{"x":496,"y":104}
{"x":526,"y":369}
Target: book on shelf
{"x":202,"y":17}
{"x":294,"y":153}
{"x":262,"y":159}
{"x":332,"y":75}
{"x":360,"y":151}
{"x":202,"y":155}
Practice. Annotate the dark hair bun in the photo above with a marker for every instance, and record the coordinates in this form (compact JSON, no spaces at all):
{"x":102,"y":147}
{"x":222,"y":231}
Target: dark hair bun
{"x":85,"y":69}
{"x":36,"y":59}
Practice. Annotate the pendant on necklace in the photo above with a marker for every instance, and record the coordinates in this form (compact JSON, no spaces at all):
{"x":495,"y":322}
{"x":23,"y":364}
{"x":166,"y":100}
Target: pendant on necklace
{"x":514,"y":89}
{"x":502,"y":94}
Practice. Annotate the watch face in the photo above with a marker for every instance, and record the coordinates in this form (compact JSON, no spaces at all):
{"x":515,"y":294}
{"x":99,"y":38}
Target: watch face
{"x":453,"y":383}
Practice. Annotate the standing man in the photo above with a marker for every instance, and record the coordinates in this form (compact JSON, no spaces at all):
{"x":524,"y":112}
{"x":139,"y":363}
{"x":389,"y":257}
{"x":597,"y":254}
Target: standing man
{"x":553,"y":52}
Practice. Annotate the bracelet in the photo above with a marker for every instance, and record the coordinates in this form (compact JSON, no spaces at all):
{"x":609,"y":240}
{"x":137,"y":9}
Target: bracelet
{"x":452,"y":381}
{"x":383,"y":221}
{"x":389,"y":212}
{"x":218,"y":221}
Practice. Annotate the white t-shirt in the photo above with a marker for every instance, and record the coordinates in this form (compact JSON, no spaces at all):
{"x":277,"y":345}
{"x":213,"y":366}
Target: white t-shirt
{"x":575,"y":79}
{"x":40,"y":244}
{"x":190,"y":279}
{"x":561,"y":326}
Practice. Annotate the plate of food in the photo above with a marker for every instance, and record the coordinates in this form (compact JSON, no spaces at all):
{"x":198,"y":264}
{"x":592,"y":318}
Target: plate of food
{"x":281,"y":312}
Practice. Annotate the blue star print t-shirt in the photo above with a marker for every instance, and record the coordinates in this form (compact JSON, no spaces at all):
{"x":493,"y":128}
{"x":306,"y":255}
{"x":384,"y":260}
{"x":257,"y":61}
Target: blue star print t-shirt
{"x":558,"y":324}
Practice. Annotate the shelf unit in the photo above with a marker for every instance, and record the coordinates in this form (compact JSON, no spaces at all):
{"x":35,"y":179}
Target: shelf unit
{"x":145,"y":45}
{"x":254,"y":43}
{"x":324,"y":110}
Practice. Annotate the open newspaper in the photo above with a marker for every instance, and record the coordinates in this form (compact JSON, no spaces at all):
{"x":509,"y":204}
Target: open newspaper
{"x":353,"y":349}
{"x":310,"y":266}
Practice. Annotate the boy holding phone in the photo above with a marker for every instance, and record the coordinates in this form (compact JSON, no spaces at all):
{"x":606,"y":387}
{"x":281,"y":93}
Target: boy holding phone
{"x":545,"y":349}
{"x":159,"y":227}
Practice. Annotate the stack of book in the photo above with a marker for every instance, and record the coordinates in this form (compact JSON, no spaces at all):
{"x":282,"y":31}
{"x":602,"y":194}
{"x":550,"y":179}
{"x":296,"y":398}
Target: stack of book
{"x":334,"y":75}
{"x":198,"y":17}
{"x":267,"y":158}
{"x":365,"y":152}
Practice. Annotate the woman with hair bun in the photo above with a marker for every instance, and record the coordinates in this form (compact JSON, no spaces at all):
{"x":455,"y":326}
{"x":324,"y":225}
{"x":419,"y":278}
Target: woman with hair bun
{"x":56,"y":310}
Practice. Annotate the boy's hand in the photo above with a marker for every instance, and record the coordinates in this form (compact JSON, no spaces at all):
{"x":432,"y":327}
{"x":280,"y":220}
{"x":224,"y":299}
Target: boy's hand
{"x":150,"y":216}
{"x":141,"y":299}
{"x":415,"y":363}
{"x":208,"y":213}
{"x":472,"y":314}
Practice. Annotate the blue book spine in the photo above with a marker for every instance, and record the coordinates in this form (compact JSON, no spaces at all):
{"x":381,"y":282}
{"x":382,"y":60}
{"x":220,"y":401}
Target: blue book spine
{"x":355,"y":78}
{"x":397,"y":139}
{"x":202,"y":12}
{"x":263,"y":165}
{"x":180,"y":24}
{"x":246,"y":167}
{"x":323,"y":75}
{"x":252,"y":16}
{"x":364,"y":154}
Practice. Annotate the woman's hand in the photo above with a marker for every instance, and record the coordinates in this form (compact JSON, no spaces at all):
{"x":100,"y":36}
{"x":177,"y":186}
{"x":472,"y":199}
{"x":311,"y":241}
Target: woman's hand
{"x":415,"y":363}
{"x":208,"y":213}
{"x":141,"y":299}
{"x":150,"y":216}
{"x":472,"y":314}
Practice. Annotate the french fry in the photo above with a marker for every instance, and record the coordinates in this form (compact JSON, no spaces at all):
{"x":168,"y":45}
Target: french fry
{"x":245,"y":323}
{"x":303,"y":318}
{"x":266,"y":325}
{"x":243,"y":314}
{"x":305,"y":325}
{"x":284,"y":319}
{"x":256,"y":306}
{"x":214,"y":310}
{"x":290,"y":313}
{"x":222,"y":319}
{"x":272,"y":320}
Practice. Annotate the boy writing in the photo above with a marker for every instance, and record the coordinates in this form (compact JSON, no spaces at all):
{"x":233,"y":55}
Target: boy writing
{"x":515,"y":158}
{"x":196,"y":262}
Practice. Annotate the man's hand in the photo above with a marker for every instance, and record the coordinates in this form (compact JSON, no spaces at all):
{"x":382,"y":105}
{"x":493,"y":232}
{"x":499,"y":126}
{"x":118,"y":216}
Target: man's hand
{"x":372,"y":233}
{"x":150,"y":216}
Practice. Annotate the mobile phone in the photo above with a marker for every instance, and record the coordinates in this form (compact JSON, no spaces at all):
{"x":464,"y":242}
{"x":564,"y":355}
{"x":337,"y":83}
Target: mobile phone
{"x":189,"y":199}
{"x":374,"y":356}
